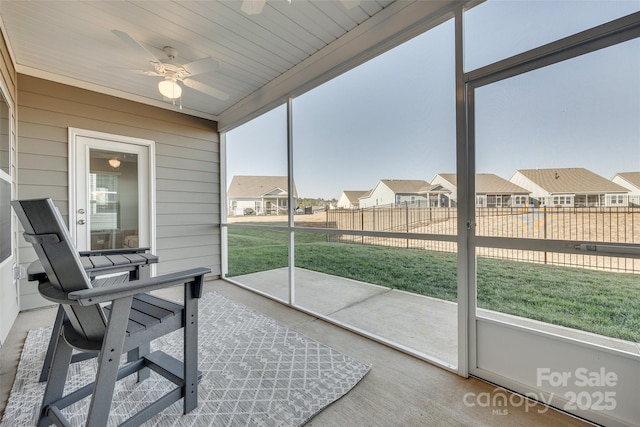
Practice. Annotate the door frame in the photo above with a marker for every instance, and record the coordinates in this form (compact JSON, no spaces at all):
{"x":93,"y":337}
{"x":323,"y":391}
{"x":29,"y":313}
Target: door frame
{"x":150,"y":216}
{"x":9,"y":269}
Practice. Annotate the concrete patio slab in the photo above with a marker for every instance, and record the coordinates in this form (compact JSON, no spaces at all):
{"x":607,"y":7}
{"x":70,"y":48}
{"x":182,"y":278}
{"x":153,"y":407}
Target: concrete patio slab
{"x":423,"y":324}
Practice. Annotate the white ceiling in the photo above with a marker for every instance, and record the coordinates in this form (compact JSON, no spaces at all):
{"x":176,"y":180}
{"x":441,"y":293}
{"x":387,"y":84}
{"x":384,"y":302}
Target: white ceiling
{"x":72,"y":42}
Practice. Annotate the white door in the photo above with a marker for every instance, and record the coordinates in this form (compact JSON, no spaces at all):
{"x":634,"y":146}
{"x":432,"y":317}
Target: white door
{"x":111,"y":201}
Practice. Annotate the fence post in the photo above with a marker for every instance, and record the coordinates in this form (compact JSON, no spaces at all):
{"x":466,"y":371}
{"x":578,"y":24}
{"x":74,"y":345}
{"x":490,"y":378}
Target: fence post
{"x":362,"y":224}
{"x":326,"y":224}
{"x":406,"y":205}
{"x":544,"y":229}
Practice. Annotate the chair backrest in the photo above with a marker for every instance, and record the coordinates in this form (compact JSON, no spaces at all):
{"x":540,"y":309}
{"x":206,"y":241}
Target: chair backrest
{"x":46,"y":231}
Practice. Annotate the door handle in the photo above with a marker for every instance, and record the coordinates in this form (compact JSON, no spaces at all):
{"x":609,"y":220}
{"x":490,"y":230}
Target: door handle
{"x":81,"y":221}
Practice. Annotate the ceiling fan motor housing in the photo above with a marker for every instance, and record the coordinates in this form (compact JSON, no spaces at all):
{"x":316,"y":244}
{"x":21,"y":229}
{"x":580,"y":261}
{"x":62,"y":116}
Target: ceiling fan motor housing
{"x":171,"y":52}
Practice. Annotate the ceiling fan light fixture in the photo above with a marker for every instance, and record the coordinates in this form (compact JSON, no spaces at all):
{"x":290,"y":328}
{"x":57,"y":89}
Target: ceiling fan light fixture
{"x":253,"y":7}
{"x":170,"y":89}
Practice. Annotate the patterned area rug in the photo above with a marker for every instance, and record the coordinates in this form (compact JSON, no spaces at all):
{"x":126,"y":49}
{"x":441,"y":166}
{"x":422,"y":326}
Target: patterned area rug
{"x":256,"y":372}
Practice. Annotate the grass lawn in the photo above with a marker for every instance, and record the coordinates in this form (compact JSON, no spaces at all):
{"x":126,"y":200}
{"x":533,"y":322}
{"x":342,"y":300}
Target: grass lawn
{"x":601,"y":302}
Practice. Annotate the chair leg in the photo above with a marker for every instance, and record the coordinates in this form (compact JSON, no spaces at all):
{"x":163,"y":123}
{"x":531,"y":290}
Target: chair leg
{"x":56,"y":379}
{"x":190,"y":389}
{"x":55,"y":334}
{"x":108,"y":363}
{"x":137,"y":354}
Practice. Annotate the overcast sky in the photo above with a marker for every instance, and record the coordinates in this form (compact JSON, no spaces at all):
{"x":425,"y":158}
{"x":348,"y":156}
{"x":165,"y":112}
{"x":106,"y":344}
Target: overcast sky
{"x":393,"y":117}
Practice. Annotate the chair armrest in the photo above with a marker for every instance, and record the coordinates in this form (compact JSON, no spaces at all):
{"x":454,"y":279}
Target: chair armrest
{"x":119,"y":251}
{"x":109,"y":293}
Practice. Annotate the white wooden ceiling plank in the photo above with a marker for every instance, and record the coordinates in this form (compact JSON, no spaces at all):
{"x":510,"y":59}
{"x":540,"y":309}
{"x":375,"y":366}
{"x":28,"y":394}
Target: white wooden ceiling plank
{"x":371,"y":7}
{"x":294,"y":27}
{"x":337,"y":13}
{"x":308,"y":16}
{"x":183,"y":19}
{"x":72,"y":41}
{"x":275,"y":39}
{"x":82,"y":51}
{"x":316,"y":28}
{"x":234,"y":61}
{"x":38,"y":31}
{"x":356,"y":13}
{"x":73,"y":68}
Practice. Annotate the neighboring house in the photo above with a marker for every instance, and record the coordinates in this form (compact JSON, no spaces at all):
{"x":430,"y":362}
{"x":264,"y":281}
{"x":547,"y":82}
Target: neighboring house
{"x":391,"y":192}
{"x":350,"y":199}
{"x":631,"y":181}
{"x":570,"y":187}
{"x":492,"y":191}
{"x":259,"y":195}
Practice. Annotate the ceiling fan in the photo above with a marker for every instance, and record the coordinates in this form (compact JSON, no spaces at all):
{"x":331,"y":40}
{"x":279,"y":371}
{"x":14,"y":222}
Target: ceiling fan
{"x":174,"y":72}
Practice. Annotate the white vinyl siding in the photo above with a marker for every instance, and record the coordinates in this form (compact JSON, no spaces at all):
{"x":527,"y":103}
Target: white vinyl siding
{"x":187,"y":167}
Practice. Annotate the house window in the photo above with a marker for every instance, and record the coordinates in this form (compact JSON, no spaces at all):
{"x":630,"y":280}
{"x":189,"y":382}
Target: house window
{"x":562,"y":200}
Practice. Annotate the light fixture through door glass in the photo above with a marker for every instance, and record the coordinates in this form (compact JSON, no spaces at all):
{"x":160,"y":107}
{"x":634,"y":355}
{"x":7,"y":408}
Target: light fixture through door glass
{"x":114,"y":163}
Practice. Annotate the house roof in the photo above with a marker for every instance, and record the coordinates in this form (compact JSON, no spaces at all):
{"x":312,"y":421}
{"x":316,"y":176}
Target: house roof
{"x":354,"y":195}
{"x":632,"y":178}
{"x":488,"y":183}
{"x":571,"y":180}
{"x":244,"y":186}
{"x":407,"y":186}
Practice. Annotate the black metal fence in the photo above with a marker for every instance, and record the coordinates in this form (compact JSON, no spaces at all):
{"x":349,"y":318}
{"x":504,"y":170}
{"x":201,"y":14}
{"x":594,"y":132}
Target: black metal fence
{"x":597,"y":224}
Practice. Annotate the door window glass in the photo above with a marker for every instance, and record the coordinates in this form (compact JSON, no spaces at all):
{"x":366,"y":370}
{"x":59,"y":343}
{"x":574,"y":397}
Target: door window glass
{"x":113,"y":200}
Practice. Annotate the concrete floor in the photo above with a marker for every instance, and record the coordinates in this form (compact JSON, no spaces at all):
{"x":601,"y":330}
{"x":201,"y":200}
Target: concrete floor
{"x":427,"y":325}
{"x":400,"y":390}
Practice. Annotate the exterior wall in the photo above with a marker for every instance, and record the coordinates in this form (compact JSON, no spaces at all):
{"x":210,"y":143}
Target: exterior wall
{"x":535,"y":191}
{"x":345,"y":203}
{"x":187,"y":167}
{"x":410,"y":198}
{"x":633,"y":197}
{"x":633,"y":190}
{"x":616,"y":200}
{"x":9,"y":294}
{"x":241,"y":205}
{"x":438,"y":180}
{"x":381,"y":195}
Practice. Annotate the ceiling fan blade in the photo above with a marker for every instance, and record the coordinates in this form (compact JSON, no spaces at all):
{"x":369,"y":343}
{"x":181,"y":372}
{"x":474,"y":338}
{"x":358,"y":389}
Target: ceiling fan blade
{"x":131,"y":70}
{"x":206,"y":89}
{"x":135,"y":45}
{"x":201,"y":66}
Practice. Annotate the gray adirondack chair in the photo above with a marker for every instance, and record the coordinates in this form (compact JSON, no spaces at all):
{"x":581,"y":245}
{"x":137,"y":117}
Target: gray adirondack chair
{"x":129,"y":324}
{"x":134,"y":261}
